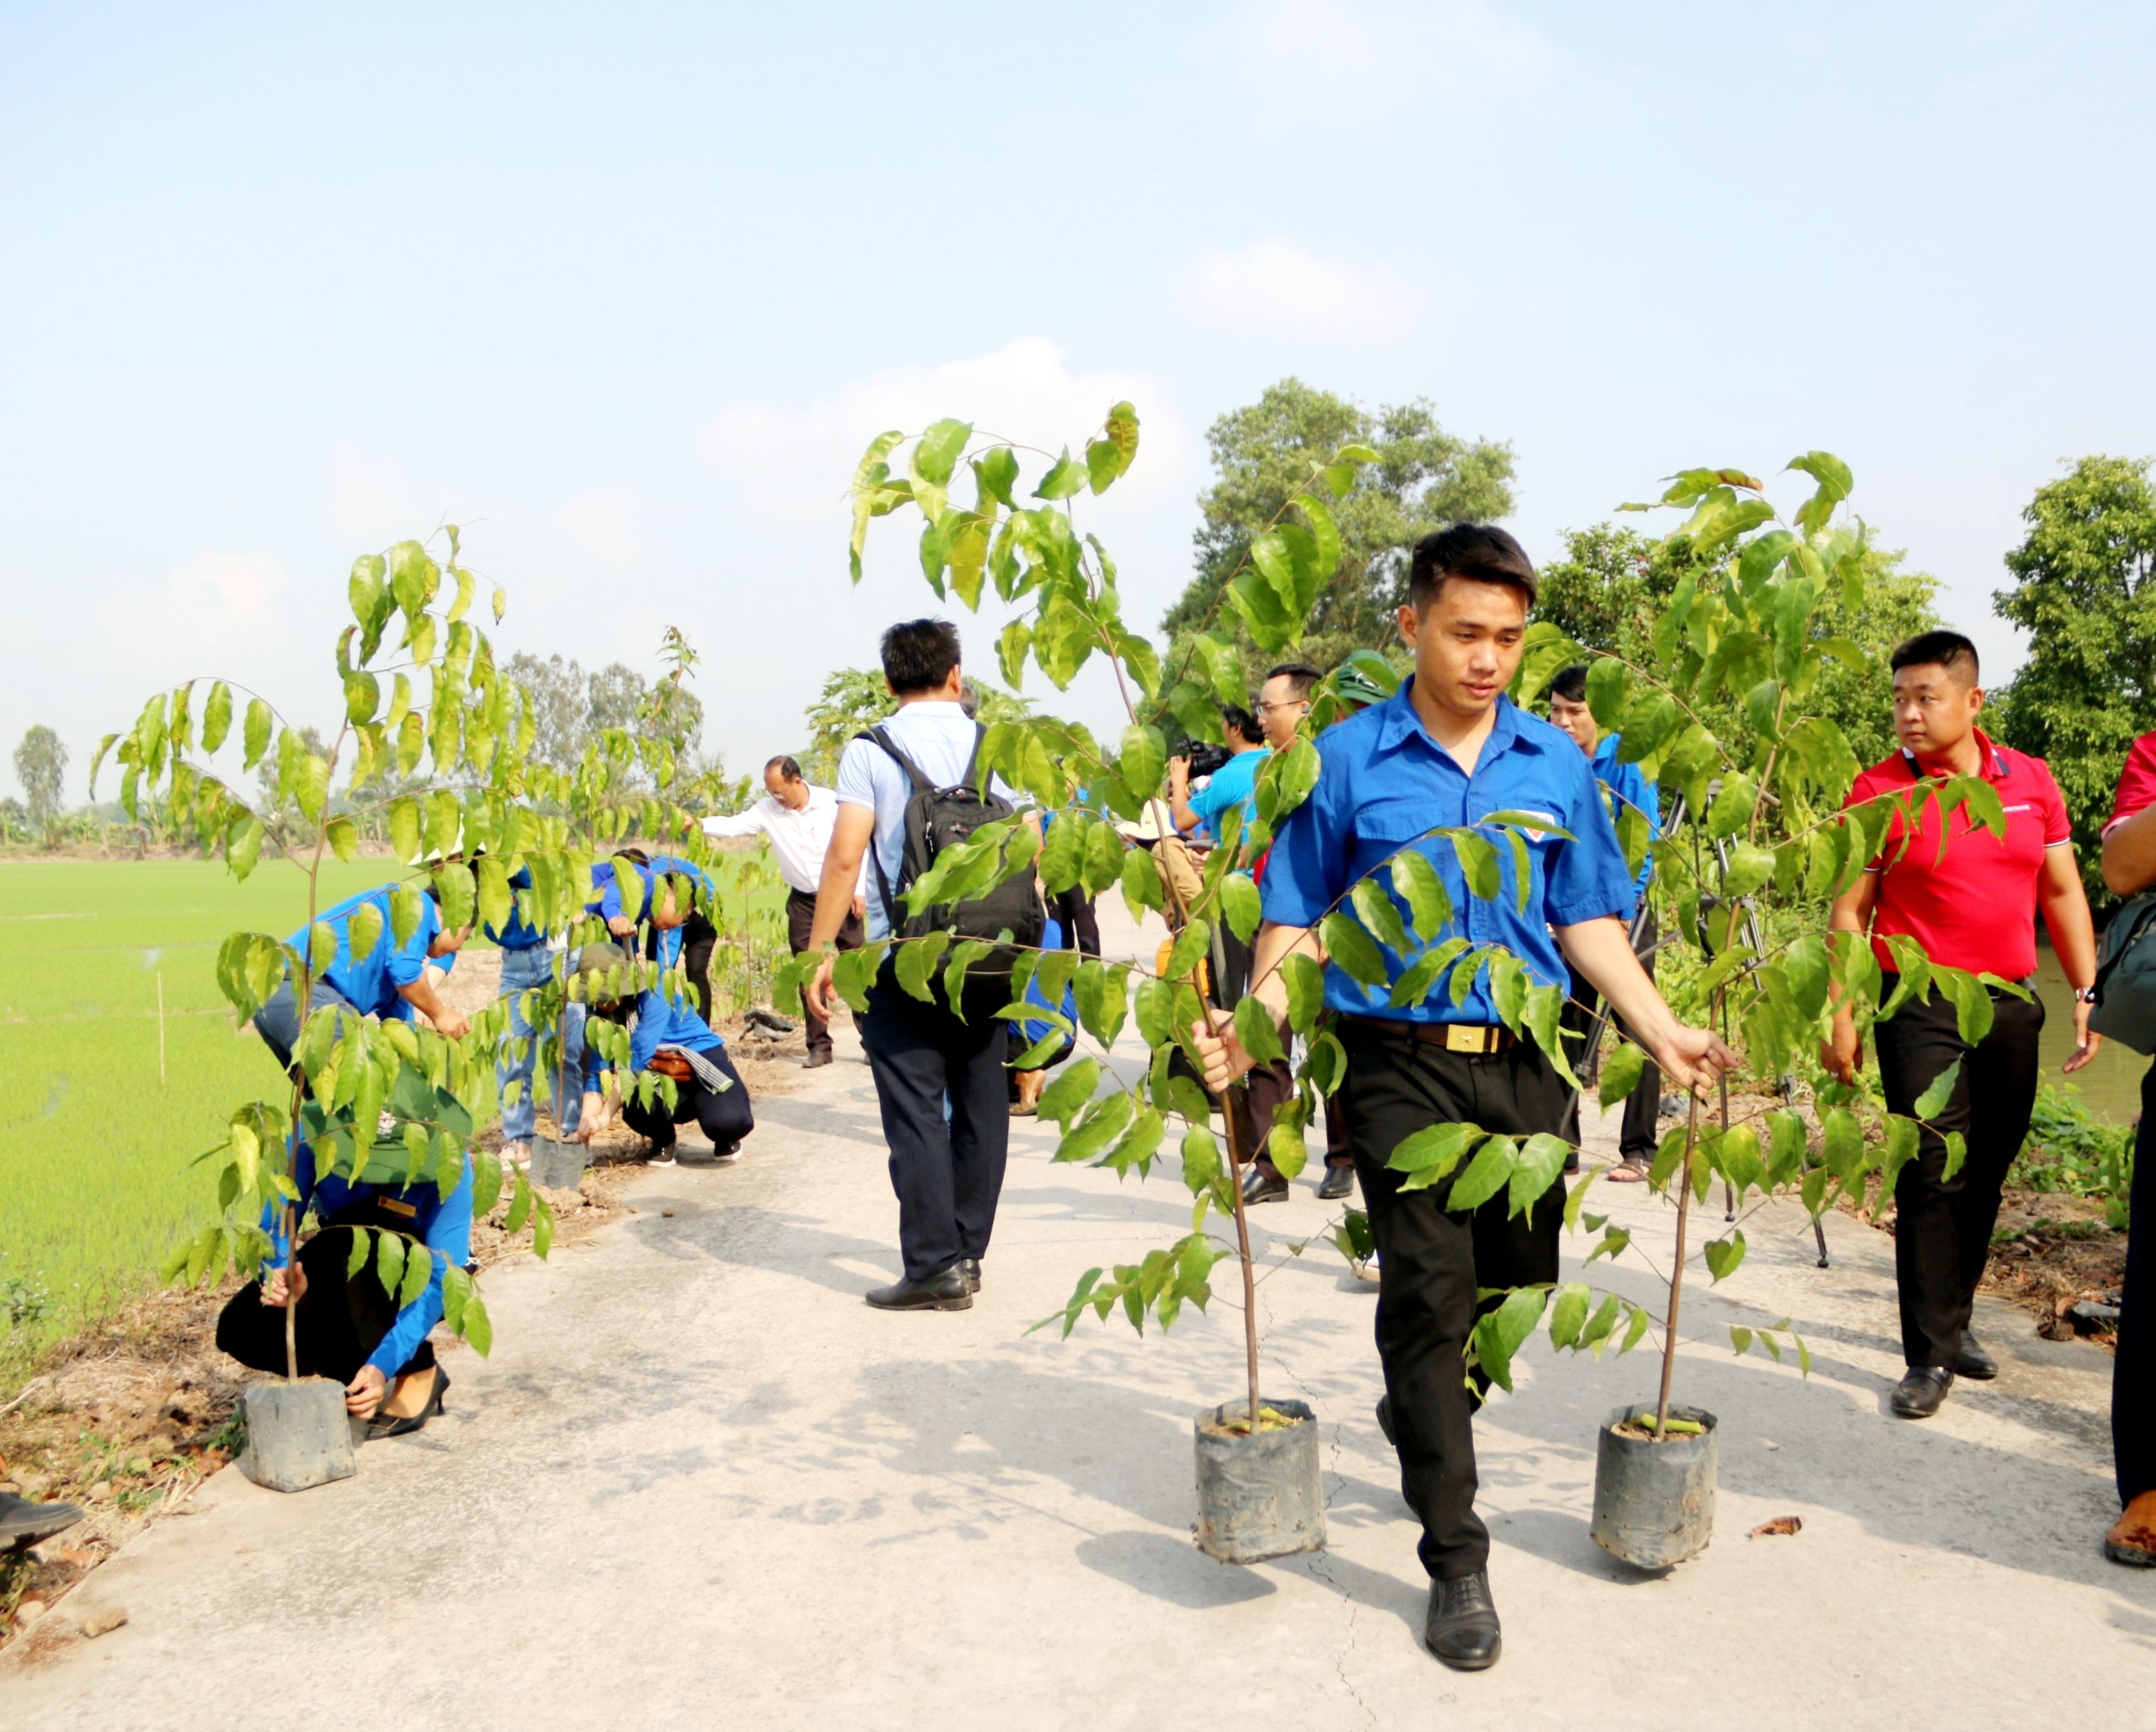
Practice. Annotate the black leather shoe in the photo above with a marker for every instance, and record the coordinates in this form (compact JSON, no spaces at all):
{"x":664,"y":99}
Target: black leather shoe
{"x":23,"y":1523}
{"x":1339,"y":1181}
{"x":947,"y":1292}
{"x":1922,"y":1392}
{"x":969,"y":1268}
{"x":821,"y":1057}
{"x":1973,"y":1362}
{"x":1462,"y":1627}
{"x":1261,"y":1186}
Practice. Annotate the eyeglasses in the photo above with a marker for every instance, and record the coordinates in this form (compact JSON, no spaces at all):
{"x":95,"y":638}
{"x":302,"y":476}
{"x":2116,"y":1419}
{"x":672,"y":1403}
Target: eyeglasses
{"x":1265,"y":709}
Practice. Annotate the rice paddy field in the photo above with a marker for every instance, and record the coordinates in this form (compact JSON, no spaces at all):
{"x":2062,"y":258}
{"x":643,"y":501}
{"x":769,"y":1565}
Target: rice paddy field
{"x":95,"y":1184}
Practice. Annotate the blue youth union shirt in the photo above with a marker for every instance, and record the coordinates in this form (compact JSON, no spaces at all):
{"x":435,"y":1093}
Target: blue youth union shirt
{"x":1384,"y":783}
{"x":1628,"y":786}
{"x":660,"y":1021}
{"x":371,"y":982}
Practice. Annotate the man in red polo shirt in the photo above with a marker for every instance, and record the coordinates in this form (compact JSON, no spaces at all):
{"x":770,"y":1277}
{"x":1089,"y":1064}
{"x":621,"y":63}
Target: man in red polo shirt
{"x":1972,"y":905}
{"x":2130,"y":869}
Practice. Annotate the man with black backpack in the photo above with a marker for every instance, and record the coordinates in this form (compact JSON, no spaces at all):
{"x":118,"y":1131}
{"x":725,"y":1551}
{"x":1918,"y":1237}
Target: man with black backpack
{"x":906,"y":789}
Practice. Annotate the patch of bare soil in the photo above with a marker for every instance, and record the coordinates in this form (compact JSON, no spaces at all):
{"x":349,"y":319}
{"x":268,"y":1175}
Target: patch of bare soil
{"x":127,"y":1418}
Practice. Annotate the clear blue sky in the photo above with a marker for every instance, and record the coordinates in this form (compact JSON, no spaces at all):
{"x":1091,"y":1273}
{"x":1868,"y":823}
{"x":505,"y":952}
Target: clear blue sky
{"x":624,"y":289}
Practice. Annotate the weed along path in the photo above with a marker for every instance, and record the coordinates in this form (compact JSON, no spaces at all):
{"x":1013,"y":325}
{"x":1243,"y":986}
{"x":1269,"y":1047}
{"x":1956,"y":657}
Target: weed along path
{"x":699,"y":1483}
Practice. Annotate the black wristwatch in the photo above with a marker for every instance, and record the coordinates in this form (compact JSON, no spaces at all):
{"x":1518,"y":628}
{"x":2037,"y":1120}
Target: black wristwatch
{"x":2085,"y":995}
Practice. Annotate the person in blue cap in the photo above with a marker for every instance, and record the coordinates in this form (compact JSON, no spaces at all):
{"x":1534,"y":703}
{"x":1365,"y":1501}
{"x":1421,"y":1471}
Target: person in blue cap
{"x":1449,"y":749}
{"x":669,"y":1039}
{"x":387,"y":979}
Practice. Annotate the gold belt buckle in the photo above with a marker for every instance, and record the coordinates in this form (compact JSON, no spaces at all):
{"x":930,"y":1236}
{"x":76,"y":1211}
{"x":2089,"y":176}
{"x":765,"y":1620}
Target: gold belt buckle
{"x":1464,"y":1037}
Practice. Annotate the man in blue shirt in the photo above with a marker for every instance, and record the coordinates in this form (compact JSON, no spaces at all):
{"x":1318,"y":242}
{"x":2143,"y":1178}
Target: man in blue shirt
{"x":670,"y":1038}
{"x":1626,"y":788}
{"x":388,"y":980}
{"x":924,"y":1057}
{"x":1449,"y":749}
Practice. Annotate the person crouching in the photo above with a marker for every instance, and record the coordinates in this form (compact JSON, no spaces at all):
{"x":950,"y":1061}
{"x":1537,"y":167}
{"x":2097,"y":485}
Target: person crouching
{"x":669,"y":1040}
{"x":348,"y":1326}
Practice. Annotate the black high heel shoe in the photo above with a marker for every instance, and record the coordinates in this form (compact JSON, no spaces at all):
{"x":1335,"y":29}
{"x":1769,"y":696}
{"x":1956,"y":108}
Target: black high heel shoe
{"x":383,"y":1426}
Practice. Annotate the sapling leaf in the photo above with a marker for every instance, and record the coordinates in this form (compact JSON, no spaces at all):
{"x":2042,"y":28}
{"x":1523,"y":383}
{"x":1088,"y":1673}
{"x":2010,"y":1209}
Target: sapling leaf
{"x":1498,"y":1333}
{"x":1723,"y":1254}
{"x":1487,"y":1174}
{"x":1257,"y":1031}
{"x":1352,"y":950}
{"x":1930,"y":1104}
{"x":1620,"y":1073}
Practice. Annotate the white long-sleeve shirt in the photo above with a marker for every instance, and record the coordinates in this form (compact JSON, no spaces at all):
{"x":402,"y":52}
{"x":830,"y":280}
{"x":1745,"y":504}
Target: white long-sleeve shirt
{"x":800,"y":840}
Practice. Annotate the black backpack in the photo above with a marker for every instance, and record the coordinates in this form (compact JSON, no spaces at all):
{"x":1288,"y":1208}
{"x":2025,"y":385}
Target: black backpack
{"x":936,"y":818}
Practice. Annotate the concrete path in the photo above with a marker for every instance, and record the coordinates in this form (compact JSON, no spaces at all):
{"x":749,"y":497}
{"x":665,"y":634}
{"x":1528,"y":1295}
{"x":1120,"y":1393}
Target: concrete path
{"x":701,"y":1484}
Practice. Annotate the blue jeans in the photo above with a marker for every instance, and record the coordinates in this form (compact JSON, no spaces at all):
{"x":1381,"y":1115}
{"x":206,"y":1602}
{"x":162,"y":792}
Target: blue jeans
{"x":279,"y":1021}
{"x":523,"y":971}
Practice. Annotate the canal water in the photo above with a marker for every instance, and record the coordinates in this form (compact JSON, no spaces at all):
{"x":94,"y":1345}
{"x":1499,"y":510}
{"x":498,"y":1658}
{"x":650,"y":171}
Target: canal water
{"x":2111,"y":1086}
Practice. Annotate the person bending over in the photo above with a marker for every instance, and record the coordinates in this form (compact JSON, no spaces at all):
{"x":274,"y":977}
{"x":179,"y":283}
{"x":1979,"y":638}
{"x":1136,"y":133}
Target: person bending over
{"x":667,"y":1039}
{"x":387,"y":980}
{"x":348,"y":1326}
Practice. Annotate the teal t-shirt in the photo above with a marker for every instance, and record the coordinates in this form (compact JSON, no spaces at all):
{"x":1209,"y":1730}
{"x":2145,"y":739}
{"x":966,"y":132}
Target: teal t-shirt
{"x":1235,"y":783}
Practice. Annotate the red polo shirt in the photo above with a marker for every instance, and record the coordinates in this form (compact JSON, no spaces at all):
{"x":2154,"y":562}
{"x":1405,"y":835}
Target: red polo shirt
{"x":1974,"y":906}
{"x":2137,"y":782}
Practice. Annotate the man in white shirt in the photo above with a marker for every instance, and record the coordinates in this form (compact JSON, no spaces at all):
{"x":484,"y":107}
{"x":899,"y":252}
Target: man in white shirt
{"x":927,"y":1061}
{"x":797,"y":817}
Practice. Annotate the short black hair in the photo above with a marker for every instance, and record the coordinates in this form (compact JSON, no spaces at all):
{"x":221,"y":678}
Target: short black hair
{"x":1571,"y":685}
{"x":1301,"y":677}
{"x":1236,"y":716}
{"x":1949,"y":650}
{"x":788,"y":768}
{"x":1480,"y":552}
{"x":919,"y":654}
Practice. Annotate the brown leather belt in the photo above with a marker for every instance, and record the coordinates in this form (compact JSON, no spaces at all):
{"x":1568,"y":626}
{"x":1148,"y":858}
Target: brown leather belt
{"x":1477,"y":1039}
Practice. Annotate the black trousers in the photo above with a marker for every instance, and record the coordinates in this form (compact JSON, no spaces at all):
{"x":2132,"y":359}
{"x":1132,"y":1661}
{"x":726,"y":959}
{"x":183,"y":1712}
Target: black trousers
{"x":723,"y":1114}
{"x":1942,"y":1227}
{"x":2133,"y":1378}
{"x":699,"y":937}
{"x":1431,"y":1260}
{"x":1643,"y":1106}
{"x":341,"y":1319}
{"x":948,"y":1174}
{"x":800,"y":922}
{"x":1073,"y":910}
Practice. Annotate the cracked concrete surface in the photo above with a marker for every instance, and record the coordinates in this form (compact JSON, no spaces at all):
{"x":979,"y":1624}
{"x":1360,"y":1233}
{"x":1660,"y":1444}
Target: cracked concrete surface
{"x":699,"y":1483}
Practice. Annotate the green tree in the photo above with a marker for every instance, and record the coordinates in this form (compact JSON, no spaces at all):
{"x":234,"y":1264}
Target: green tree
{"x":1612,"y":587}
{"x":2081,"y":591}
{"x":853,"y":699}
{"x":41,"y":767}
{"x":1421,"y":478}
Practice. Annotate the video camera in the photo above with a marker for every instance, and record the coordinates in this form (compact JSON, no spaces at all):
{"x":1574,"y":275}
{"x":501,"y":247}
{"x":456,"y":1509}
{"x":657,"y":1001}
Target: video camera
{"x":1205,"y":758}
